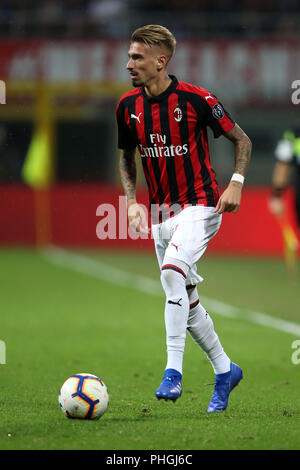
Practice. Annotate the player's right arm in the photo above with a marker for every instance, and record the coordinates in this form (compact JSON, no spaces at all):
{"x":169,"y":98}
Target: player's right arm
{"x":128,"y":174}
{"x":136,"y":215}
{"x":127,"y":144}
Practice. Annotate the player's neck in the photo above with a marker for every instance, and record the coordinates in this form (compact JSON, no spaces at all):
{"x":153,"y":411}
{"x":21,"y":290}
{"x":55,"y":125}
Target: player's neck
{"x":158,"y":85}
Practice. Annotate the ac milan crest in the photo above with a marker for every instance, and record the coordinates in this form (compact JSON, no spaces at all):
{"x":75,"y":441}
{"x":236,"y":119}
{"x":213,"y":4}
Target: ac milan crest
{"x":177,"y":114}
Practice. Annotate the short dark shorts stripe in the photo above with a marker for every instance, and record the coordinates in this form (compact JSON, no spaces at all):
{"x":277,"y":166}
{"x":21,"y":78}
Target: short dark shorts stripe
{"x":190,"y":286}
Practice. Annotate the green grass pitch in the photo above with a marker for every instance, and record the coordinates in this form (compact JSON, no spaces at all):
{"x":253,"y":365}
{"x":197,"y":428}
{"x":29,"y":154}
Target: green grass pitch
{"x":57,"y":321}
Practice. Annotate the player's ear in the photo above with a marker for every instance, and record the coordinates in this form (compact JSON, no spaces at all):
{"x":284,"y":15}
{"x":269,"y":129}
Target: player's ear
{"x":161,"y":62}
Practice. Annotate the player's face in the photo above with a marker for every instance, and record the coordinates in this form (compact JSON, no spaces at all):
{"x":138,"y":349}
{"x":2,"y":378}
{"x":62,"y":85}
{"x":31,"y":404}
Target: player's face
{"x":143,"y":63}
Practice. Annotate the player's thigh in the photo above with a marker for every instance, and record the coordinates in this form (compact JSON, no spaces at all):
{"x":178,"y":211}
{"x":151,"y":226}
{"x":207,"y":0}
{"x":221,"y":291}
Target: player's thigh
{"x":161,"y":236}
{"x":196,"y":226}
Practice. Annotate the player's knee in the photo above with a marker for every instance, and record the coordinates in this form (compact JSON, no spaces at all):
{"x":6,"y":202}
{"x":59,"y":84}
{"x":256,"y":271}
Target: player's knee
{"x":166,"y":277}
{"x":171,"y":279}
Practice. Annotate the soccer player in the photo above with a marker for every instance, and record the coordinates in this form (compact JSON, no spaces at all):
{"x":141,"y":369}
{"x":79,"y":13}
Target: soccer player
{"x":287,"y":155}
{"x":167,"y":121}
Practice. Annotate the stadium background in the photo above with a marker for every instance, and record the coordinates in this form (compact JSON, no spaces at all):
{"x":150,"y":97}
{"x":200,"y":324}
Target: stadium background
{"x":64,"y":67}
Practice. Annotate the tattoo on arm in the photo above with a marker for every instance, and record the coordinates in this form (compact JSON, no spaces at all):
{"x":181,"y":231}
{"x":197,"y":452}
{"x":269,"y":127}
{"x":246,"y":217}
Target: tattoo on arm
{"x":243,"y":148}
{"x":128,"y":173}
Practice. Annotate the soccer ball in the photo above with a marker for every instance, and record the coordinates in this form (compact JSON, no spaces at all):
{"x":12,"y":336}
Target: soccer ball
{"x":83,"y":396}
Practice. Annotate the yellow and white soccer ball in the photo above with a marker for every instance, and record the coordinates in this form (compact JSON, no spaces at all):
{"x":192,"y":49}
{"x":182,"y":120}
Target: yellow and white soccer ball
{"x":83,"y":396}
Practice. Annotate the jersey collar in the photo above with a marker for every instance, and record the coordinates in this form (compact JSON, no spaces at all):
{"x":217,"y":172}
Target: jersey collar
{"x":164,"y":94}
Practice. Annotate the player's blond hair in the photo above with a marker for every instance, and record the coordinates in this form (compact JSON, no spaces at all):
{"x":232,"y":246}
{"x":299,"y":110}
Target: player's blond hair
{"x":155,"y":35}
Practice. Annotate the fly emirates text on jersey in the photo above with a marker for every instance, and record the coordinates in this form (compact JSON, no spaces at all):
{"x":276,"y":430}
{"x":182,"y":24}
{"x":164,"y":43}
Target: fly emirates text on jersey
{"x":160,"y":149}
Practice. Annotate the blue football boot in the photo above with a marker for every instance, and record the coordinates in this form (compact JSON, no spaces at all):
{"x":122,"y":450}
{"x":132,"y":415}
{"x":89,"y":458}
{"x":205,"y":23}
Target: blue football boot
{"x":225,"y":383}
{"x":171,"y":386}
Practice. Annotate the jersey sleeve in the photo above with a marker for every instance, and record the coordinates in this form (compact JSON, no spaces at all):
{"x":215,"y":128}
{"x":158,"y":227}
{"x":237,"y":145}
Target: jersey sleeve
{"x":217,"y":118}
{"x":126,"y":140}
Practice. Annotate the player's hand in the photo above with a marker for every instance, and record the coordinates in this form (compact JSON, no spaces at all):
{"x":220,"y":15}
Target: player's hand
{"x":137,"y":218}
{"x":276,"y":206}
{"x":230,"y":200}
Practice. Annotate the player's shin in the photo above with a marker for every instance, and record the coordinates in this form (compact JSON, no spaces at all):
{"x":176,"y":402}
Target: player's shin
{"x":176,"y":311}
{"x":201,"y":328}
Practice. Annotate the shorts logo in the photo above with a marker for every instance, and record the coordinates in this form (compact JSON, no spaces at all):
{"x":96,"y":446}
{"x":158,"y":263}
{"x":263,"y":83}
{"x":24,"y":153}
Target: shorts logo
{"x":218,"y":111}
{"x":177,"y":114}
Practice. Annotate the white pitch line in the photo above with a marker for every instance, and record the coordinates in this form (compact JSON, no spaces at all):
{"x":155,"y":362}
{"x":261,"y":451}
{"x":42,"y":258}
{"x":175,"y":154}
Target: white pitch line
{"x":107,"y":273}
{"x":99,"y":270}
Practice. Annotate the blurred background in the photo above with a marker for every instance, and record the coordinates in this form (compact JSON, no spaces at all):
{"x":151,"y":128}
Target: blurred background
{"x":63,"y":63}
{"x":72,"y":300}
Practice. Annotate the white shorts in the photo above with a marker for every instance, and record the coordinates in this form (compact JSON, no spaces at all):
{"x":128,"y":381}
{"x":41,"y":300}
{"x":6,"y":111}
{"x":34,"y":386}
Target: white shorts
{"x":185,"y":237}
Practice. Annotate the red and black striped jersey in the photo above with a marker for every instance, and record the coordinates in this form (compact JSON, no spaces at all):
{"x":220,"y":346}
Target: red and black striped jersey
{"x":170,"y":132}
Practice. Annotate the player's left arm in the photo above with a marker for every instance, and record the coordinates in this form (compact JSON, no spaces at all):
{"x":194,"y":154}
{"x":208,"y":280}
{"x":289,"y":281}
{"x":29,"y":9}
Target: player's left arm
{"x":230,"y":200}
